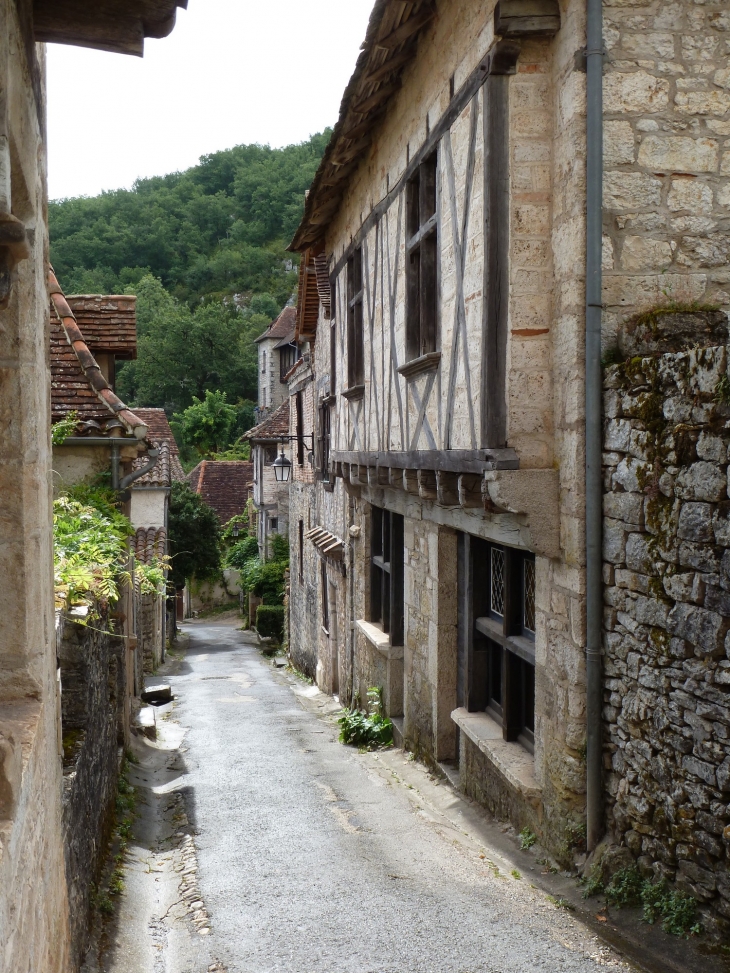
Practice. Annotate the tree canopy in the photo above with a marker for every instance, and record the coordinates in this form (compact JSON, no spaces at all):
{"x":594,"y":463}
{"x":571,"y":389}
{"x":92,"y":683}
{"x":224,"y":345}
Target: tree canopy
{"x":217,"y":229}
{"x":194,"y":534}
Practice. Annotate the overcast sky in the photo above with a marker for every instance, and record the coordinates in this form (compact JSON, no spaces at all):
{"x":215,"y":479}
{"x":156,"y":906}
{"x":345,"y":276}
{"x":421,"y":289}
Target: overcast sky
{"x":232,"y":71}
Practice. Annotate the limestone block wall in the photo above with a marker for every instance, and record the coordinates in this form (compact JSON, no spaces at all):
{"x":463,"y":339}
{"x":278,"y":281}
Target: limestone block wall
{"x":667,"y":619}
{"x":304,"y":607}
{"x":666,"y":154}
{"x":93,"y":678}
{"x":33,"y":898}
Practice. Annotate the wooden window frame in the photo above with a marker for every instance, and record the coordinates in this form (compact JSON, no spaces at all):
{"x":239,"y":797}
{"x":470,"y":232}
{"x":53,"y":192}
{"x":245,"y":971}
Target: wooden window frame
{"x":324,"y":439}
{"x":422,"y":260}
{"x":287,"y":359}
{"x":355,"y":332}
{"x":299,"y":409}
{"x":501,"y":668}
{"x":325,"y":599}
{"x":387,"y":555}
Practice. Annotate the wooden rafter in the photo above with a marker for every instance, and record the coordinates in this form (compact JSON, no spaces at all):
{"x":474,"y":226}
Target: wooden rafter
{"x":390,"y":44}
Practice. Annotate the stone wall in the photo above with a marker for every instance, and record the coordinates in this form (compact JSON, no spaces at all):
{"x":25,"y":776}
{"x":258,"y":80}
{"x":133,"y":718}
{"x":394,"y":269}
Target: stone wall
{"x":304,"y":608}
{"x":666,"y":155}
{"x":33,"y":904}
{"x":667,"y":617}
{"x":93,"y":680}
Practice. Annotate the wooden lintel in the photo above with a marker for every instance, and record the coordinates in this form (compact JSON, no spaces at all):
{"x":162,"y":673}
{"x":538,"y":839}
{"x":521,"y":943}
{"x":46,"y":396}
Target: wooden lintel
{"x":383,"y":476}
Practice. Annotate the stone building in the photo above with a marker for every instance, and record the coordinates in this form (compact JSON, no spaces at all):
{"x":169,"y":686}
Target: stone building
{"x":34,"y":912}
{"x":444,"y":307}
{"x":227,"y":487}
{"x":277,"y":354}
{"x":270,"y":497}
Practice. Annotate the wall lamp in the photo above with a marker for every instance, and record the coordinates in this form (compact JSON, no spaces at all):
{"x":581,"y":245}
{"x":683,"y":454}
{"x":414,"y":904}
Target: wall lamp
{"x":282,"y":465}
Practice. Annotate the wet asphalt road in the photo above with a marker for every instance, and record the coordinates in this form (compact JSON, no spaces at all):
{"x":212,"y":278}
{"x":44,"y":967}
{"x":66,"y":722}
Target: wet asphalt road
{"x":314,"y":859}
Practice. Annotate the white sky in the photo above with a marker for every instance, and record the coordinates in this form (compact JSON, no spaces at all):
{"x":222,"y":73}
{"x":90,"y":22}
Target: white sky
{"x":231,"y":72}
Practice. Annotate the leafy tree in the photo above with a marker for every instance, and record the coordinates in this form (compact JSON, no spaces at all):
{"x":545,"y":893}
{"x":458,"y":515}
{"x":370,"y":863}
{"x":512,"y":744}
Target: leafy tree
{"x":182,"y":354}
{"x":194,"y":534}
{"x":215,"y":230}
{"x":206,"y":424}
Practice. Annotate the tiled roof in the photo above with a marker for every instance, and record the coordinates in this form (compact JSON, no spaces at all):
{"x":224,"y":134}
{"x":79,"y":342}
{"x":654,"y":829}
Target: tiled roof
{"x":149,"y":543}
{"x":287,"y":339}
{"x":283,"y":325}
{"x":77,"y":381}
{"x":223,"y":485}
{"x":273,"y":427}
{"x":108,"y":324}
{"x":168,"y":468}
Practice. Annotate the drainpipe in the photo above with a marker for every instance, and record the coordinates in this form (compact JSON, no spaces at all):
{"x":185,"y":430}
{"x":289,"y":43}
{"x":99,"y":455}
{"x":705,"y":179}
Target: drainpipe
{"x":154,"y":455}
{"x":594,"y":385}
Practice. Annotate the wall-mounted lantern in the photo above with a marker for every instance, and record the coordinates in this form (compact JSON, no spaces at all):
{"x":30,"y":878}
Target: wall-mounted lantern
{"x":282,"y":467}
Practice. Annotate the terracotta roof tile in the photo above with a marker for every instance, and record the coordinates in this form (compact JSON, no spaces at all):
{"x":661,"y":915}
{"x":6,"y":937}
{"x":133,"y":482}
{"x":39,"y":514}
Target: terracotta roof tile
{"x":77,"y":381}
{"x":109,"y":324}
{"x":149,"y":543}
{"x":225,"y":486}
{"x":273,"y":427}
{"x":283,"y":325}
{"x":168,"y":468}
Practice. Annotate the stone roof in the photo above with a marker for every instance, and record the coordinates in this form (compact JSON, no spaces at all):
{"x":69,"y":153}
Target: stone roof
{"x":149,"y":543}
{"x":224,"y":485}
{"x":274,"y":427}
{"x":282,"y":327}
{"x":168,"y":468}
{"x":77,"y":382}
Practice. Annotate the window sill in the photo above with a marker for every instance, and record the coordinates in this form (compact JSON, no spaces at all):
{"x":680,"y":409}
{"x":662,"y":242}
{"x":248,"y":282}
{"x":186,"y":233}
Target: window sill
{"x":513,"y":762}
{"x":354,"y":393}
{"x":521,"y":646}
{"x":426,"y":363}
{"x":379,"y":640}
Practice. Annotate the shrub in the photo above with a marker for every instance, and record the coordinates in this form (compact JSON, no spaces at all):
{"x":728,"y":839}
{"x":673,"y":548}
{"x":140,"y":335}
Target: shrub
{"x":279,"y":547}
{"x":676,"y":909}
{"x":270,"y":621}
{"x":265,"y":579}
{"x":244,"y":550}
{"x":625,"y":888}
{"x":367,"y":730}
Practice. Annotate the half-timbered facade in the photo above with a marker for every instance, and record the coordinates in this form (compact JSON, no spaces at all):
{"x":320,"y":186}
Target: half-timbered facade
{"x":443,"y":301}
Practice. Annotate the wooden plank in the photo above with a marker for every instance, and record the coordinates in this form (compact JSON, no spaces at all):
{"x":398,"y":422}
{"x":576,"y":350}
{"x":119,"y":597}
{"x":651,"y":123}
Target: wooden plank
{"x":422,"y":423}
{"x":392,"y":64}
{"x":470,"y":461}
{"x":496,"y":262}
{"x":410,"y":481}
{"x":407,"y":29}
{"x":393,"y":377}
{"x":376,"y":99}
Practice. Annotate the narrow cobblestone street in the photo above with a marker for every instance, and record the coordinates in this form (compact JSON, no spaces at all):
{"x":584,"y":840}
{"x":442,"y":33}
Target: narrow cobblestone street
{"x":311,"y":857}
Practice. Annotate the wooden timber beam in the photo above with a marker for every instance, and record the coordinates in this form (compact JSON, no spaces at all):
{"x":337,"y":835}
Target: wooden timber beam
{"x":407,"y":29}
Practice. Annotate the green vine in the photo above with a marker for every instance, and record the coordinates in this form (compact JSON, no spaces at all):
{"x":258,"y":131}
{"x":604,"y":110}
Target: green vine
{"x":60,"y":431}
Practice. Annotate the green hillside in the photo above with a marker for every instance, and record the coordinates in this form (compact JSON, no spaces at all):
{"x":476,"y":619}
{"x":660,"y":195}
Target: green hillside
{"x":204,"y":250}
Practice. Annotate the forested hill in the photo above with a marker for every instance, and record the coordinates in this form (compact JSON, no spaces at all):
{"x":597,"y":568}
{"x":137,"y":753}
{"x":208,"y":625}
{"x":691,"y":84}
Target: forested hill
{"x":214,"y":230}
{"x":186,"y":243}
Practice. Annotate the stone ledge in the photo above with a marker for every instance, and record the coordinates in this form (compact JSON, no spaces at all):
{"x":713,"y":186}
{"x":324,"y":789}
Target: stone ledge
{"x":514,"y":763}
{"x":534,"y":493}
{"x":379,"y":640}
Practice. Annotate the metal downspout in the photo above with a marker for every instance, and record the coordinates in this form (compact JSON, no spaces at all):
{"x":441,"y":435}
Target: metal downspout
{"x":594,"y":383}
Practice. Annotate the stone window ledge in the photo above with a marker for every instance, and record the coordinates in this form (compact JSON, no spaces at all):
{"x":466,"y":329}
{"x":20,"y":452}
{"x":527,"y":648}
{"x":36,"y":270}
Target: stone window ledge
{"x":379,"y":640}
{"x":513,"y":762}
